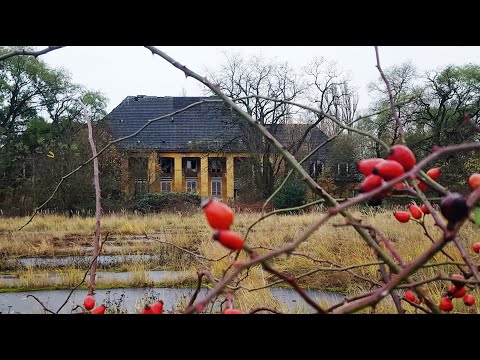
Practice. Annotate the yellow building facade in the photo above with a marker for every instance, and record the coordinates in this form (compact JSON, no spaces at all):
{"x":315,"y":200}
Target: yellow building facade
{"x":207,"y":174}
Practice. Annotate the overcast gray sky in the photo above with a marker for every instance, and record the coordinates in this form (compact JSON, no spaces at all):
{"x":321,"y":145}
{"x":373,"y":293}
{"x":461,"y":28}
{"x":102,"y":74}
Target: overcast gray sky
{"x":122,"y":71}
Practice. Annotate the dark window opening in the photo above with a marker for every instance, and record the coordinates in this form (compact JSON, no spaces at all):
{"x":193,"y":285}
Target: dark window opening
{"x":166,"y":165}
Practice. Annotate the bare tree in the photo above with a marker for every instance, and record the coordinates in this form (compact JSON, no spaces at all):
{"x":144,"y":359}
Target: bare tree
{"x":330,"y":90}
{"x":242,"y":78}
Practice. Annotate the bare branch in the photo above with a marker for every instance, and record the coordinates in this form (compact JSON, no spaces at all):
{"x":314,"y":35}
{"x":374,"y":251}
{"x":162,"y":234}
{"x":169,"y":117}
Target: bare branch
{"x":29,"y":52}
{"x":43,"y":306}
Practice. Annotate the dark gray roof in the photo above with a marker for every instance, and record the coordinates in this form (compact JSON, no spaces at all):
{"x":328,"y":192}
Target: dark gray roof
{"x":208,"y":127}
{"x":205,"y":127}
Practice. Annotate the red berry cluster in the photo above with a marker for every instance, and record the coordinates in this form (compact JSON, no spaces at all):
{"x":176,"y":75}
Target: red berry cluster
{"x":456,"y":291}
{"x":415,"y":211}
{"x":377,"y":170}
{"x":220,"y":218}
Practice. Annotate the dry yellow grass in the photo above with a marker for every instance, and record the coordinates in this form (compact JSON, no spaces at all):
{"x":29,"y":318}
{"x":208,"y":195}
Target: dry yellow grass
{"x":52,"y":235}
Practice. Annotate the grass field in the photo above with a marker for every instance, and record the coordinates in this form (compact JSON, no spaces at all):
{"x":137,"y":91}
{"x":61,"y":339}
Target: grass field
{"x":53,"y":236}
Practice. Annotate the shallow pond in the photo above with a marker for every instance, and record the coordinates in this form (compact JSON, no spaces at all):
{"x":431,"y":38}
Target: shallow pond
{"x":130,"y":299}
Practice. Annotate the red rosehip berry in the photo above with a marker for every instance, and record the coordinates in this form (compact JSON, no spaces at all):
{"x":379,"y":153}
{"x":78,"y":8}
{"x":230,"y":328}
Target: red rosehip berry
{"x":157,"y":308}
{"x":476,"y":247}
{"x":89,"y":302}
{"x":229,"y":239}
{"x":402,"y":216}
{"x":402,"y":155}
{"x":474,"y":181}
{"x":219,"y":215}
{"x":410,"y":296}
{"x":457,"y":292}
{"x":146,"y":310}
{"x":434,"y":173}
{"x":415,"y":211}
{"x":99,"y":310}
{"x":424,"y":209}
{"x":468,"y":300}
{"x":446,"y":304}
{"x":388,"y":169}
{"x":370,"y":182}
